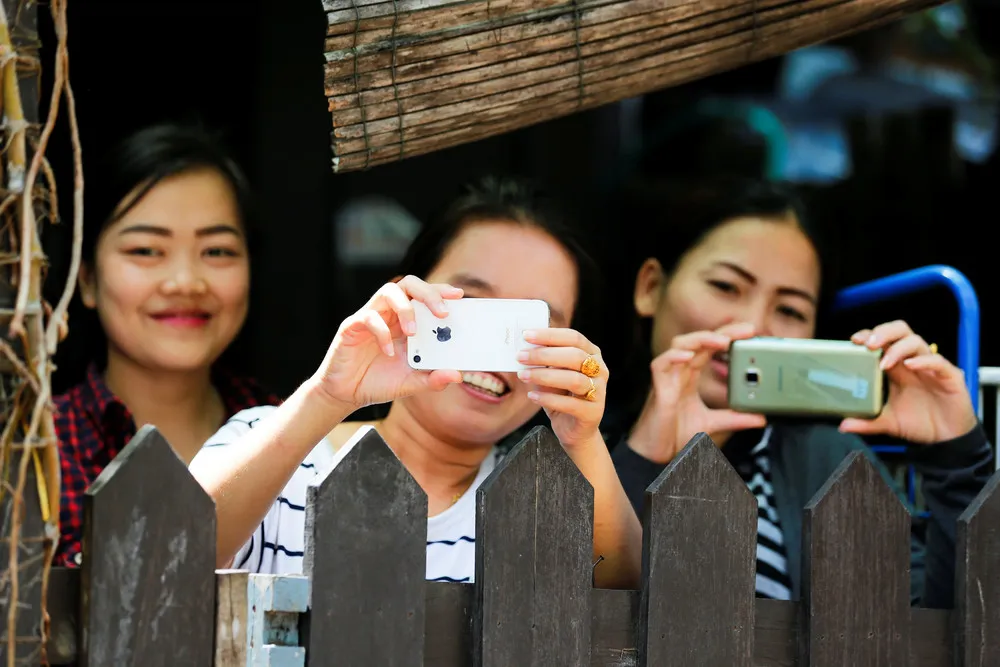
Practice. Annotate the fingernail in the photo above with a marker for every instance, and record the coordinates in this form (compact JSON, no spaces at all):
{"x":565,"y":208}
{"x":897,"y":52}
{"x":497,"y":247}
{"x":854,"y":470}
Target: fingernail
{"x":533,"y":395}
{"x":871,"y":340}
{"x":524,"y":375}
{"x":443,"y":309}
{"x":411,"y":328}
{"x":389,"y":351}
{"x":530,"y":335}
{"x":523,"y":356}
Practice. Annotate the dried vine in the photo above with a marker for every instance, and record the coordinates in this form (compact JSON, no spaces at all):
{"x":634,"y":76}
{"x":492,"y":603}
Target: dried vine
{"x":29,"y":484}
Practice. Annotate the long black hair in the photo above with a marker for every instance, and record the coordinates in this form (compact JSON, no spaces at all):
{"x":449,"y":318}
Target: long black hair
{"x":116,"y":180}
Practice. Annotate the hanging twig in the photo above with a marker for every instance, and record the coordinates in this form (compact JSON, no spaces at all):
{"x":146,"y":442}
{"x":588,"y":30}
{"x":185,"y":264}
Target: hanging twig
{"x":7,"y":351}
{"x":29,"y":233}
{"x":59,"y":313}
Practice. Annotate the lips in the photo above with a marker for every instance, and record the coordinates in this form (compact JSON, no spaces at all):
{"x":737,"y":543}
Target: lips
{"x":486,"y":386}
{"x":720,"y":364}
{"x":489,"y":382}
{"x":185,"y":318}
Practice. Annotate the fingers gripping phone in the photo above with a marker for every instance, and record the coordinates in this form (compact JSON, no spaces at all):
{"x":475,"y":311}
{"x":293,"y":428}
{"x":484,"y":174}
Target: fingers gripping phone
{"x":477,"y":335}
{"x":788,"y":376}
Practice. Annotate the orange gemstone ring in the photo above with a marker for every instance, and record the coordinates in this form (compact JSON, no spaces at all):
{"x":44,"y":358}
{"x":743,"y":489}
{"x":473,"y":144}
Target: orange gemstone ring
{"x":590,"y":367}
{"x":933,"y":347}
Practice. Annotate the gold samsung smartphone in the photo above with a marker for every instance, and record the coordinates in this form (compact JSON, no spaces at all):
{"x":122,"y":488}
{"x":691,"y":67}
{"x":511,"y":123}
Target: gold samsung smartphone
{"x":791,"y":376}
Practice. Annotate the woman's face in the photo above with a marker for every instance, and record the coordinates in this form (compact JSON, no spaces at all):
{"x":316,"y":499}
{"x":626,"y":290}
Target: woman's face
{"x":488,"y":259}
{"x":762,"y":271}
{"x":171,"y":277}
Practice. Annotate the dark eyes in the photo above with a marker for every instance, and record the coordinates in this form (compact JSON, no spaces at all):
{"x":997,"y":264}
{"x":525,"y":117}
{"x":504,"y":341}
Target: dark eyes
{"x":142,"y":252}
{"x":221,"y":252}
{"x":209,"y":252}
{"x":731,"y":289}
{"x":791,"y":312}
{"x":723,"y":286}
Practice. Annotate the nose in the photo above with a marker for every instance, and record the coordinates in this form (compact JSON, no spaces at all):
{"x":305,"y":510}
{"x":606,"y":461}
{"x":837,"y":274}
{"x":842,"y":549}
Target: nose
{"x":185,"y":279}
{"x":757,"y":315}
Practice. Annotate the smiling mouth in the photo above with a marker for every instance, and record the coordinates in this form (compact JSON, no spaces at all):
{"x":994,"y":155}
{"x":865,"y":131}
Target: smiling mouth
{"x":185,"y":317}
{"x":487,"y":383}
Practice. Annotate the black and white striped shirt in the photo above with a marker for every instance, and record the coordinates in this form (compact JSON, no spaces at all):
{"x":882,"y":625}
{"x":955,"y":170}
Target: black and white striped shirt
{"x":278,"y":544}
{"x":749,"y":452}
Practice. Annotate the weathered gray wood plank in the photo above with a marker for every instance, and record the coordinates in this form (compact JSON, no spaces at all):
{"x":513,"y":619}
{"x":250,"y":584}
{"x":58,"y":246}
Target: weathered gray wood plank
{"x":448,"y":633}
{"x":231,"y":618}
{"x":148,"y":574}
{"x":776,"y":631}
{"x":699,"y":545}
{"x":977,"y":591}
{"x":856,"y":572}
{"x":366,"y":536}
{"x":613,"y":628}
{"x":534,"y":559}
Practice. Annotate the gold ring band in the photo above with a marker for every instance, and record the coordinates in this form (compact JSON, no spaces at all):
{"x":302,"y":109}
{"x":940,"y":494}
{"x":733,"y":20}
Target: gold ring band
{"x":590,"y":367}
{"x":933,"y":347}
{"x":591,"y":394}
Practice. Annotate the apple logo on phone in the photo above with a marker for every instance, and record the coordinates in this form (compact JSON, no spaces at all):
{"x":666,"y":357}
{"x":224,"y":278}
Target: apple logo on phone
{"x":443,"y":334}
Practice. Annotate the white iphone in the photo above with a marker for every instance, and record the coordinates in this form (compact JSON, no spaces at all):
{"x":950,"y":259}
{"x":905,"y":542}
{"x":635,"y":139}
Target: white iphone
{"x":477,"y":335}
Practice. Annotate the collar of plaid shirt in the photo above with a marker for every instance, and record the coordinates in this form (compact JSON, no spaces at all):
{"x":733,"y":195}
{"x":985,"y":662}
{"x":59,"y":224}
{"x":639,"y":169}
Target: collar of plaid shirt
{"x":94,"y":425}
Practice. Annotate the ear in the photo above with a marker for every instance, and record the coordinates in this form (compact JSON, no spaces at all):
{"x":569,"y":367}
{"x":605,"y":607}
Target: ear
{"x":648,"y":284}
{"x":87,"y":284}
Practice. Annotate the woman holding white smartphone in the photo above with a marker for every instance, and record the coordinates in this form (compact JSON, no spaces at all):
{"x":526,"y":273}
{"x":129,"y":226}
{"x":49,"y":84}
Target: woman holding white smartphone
{"x":444,"y":425}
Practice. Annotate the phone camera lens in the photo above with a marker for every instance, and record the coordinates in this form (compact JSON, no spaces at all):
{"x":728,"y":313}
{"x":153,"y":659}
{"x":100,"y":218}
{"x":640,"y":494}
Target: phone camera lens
{"x":416,"y":359}
{"x":753,"y":378}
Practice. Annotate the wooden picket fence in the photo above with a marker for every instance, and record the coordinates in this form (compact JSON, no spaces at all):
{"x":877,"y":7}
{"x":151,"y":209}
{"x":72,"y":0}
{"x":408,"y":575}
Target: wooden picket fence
{"x":148,"y":594}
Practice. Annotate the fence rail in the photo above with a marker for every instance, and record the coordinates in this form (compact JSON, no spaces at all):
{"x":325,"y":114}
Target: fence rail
{"x":147,"y":592}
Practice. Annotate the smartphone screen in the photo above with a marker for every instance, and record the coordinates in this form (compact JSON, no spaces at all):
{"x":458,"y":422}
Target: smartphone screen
{"x":477,"y":335}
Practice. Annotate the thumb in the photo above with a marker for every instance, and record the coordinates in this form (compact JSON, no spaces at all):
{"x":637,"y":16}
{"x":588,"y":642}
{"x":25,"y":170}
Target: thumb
{"x":730,"y":420}
{"x":417,"y":382}
{"x":438,"y":380}
{"x":857,"y":426}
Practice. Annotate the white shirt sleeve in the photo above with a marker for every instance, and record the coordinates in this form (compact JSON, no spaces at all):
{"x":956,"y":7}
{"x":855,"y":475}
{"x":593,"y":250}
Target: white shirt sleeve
{"x":278,"y":544}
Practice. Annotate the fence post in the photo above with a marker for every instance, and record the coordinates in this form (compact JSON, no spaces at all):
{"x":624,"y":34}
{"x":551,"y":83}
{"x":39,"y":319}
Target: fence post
{"x":699,"y":544}
{"x":366,"y":553}
{"x":231,"y":620}
{"x":272,"y":636}
{"x":977,"y":585}
{"x":534,"y":559}
{"x":855,"y":572}
{"x":148,"y":574}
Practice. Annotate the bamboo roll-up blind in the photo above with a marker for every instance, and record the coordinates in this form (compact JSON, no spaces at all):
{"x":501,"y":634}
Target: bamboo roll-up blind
{"x":407,"y":77}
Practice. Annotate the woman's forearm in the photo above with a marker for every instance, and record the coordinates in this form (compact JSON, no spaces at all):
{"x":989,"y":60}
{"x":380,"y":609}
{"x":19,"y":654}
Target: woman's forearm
{"x":617,"y":532}
{"x":246,"y":482}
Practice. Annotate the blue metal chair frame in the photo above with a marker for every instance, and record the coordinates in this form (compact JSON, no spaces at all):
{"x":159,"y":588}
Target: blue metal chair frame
{"x":919,"y":280}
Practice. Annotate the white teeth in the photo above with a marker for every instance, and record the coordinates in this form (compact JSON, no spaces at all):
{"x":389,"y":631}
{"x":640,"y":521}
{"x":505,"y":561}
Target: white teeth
{"x":486,"y":382}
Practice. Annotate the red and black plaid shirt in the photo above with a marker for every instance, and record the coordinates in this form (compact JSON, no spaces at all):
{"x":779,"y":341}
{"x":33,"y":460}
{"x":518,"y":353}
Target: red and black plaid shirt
{"x":93,"y":425}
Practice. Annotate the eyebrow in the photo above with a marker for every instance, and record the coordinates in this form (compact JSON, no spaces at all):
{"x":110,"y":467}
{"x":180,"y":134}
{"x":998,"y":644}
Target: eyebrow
{"x":464,"y":280}
{"x":752,"y":279}
{"x":163,"y":231}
